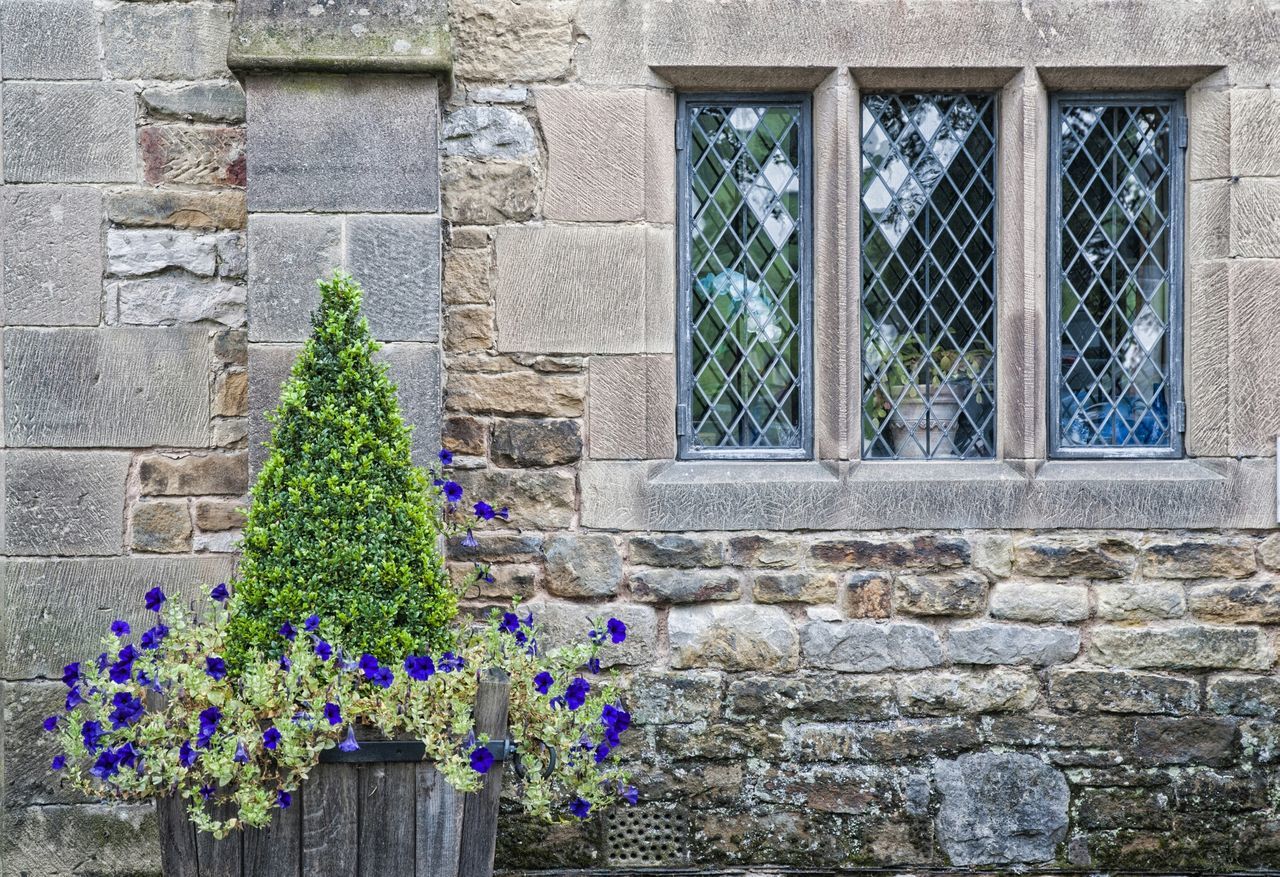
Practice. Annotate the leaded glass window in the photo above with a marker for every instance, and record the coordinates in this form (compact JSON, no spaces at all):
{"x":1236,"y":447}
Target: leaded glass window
{"x":1115,"y":284}
{"x":928,"y":276}
{"x":745,"y":277}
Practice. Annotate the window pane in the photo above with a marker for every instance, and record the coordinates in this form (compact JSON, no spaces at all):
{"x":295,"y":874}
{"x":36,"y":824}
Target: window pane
{"x":747,"y":337}
{"x":928,"y":276}
{"x":1115,"y":235}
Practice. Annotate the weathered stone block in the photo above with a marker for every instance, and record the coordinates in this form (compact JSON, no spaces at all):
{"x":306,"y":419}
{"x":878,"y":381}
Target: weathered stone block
{"x":1210,"y":136}
{"x":50,"y":39}
{"x":519,"y":393}
{"x":356,"y":143}
{"x":1000,"y":808}
{"x":868,"y":647}
{"x":824,"y":697}
{"x":68,"y":132}
{"x":198,"y":155}
{"x":963,"y":594}
{"x":582,"y":565}
{"x":500,"y":548}
{"x":488,"y":132}
{"x":541,"y":499}
{"x":661,"y":698}
{"x":1255,"y":362}
{"x":1255,"y":129}
{"x":769,"y":552}
{"x":467,"y":274}
{"x":1185,"y":647}
{"x":64,"y":502}
{"x":465,"y":435}
{"x":1123,"y":602}
{"x":1269,"y":551}
{"x":197,"y":102}
{"x":93,"y":838}
{"x":397,"y":261}
{"x":135,"y":252}
{"x":287,"y":255}
{"x":477,"y":192}
{"x":569,"y":623}
{"x":920,"y":553}
{"x":226,"y":542}
{"x":1209,"y":209}
{"x":595,"y":153}
{"x":536,"y":442}
{"x":868,"y":595}
{"x":1109,"y":691}
{"x":28,"y":750}
{"x":231,"y":394}
{"x":56,"y":608}
{"x":683,"y":586}
{"x":469,"y":328}
{"x":632,"y":411}
{"x":1088,"y":556}
{"x":177,"y":208}
{"x":161,"y":526}
{"x":1187,"y":740}
{"x":1255,"y":217}
{"x":415,"y":369}
{"x":736,"y":637}
{"x":550,"y":298}
{"x":506,"y":41}
{"x":68,"y":388}
{"x":1031,"y":601}
{"x":1012,"y":644}
{"x":173,"y":299}
{"x":1199,"y":559}
{"x":220,"y":514}
{"x":193,"y":474}
{"x":52,"y":255}
{"x":902,"y":740}
{"x":180,"y":41}
{"x":992,"y":554}
{"x":675,"y":550}
{"x":947,"y":694}
{"x":791,"y":587}
{"x":1244,"y":696}
{"x":1253,"y":601}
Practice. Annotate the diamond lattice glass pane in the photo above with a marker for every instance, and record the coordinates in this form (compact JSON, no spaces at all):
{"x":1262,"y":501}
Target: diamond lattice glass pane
{"x":1115,"y":246}
{"x":928,"y":276}
{"x":747,"y":334}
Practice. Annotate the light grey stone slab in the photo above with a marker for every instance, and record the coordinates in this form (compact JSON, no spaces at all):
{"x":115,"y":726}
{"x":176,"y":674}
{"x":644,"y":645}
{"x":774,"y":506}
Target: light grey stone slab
{"x":1011,"y":644}
{"x":64,"y":502}
{"x":287,"y":255}
{"x":596,"y":146}
{"x":1255,"y":131}
{"x":175,"y":298}
{"x":397,"y":261}
{"x":1255,"y":218}
{"x":584,"y":289}
{"x":200,"y":102}
{"x":269,"y":366}
{"x":566,"y":624}
{"x":1209,"y":385}
{"x":61,"y":839}
{"x":1254,"y":356}
{"x":166,"y":40}
{"x":1038,"y":602}
{"x":868,"y":647}
{"x":52,"y":255}
{"x":69,"y":132}
{"x":1209,"y":220}
{"x":488,"y":132}
{"x":54,"y":611}
{"x":1184,"y":647}
{"x":112,"y":387}
{"x":733,"y":637}
{"x":343,"y":143}
{"x":1000,"y":808}
{"x":135,"y":252}
{"x":631,"y":405}
{"x":1210,"y":136}
{"x":49,"y":39}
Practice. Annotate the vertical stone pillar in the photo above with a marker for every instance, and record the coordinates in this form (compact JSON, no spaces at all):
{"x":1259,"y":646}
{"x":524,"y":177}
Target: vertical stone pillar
{"x":343,"y":172}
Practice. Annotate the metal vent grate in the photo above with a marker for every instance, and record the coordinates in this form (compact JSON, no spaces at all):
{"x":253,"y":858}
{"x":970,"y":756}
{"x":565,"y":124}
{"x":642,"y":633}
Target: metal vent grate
{"x":649,"y":835}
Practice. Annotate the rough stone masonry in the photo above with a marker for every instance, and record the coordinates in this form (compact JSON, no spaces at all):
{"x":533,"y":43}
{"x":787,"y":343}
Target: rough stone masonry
{"x":1025,"y":662}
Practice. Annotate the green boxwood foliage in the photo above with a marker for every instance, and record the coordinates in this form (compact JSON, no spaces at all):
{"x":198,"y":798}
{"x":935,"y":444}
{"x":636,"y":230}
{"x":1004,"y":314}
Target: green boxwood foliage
{"x":340,"y":525}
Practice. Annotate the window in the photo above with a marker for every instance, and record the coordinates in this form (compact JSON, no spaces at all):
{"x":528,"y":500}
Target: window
{"x":745,"y":277}
{"x":928,"y":276}
{"x":1115,"y":287}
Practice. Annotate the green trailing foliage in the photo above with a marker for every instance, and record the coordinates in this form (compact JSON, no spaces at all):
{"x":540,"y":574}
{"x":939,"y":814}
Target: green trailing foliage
{"x":340,"y":524}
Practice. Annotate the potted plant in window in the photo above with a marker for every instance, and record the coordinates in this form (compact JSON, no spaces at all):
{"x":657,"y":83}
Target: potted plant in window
{"x":332,"y":675}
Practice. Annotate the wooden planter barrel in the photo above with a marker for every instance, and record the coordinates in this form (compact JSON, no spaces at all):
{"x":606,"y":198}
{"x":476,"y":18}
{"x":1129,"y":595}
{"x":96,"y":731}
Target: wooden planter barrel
{"x":380,"y":811}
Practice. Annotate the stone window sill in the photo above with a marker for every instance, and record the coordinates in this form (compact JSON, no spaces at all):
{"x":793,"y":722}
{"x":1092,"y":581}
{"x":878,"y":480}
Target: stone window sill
{"x":828,"y":495}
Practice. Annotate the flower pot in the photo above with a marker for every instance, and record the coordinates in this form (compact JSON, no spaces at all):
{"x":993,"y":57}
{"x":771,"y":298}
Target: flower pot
{"x":379,"y":810}
{"x":918,"y":427}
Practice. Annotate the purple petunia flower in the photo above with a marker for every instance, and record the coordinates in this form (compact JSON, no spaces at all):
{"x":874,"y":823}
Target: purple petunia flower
{"x":576,"y":694}
{"x":120,"y":628}
{"x":91,"y":734}
{"x":215,"y":668}
{"x":209,"y":720}
{"x":186,"y":755}
{"x":285,"y":664}
{"x":510,"y":622}
{"x":450,"y":662}
{"x":484,"y":511}
{"x":220,"y":593}
{"x":155,"y":599}
{"x":58,"y":763}
{"x":375,"y":673}
{"x":614,"y":717}
{"x":617,"y":630}
{"x":446,"y":456}
{"x":504,"y":513}
{"x":452,"y":491}
{"x":241,"y":756}
{"x":287,"y":631}
{"x":469,"y":540}
{"x":580,"y":807}
{"x":481,"y":759}
{"x":543,"y":682}
{"x":419,"y":667}
{"x":107,"y":765}
{"x":71,"y":674}
{"x":51,"y":723}
{"x":312,"y":624}
{"x":74,"y":699}
{"x":593,"y":664}
{"x":333,"y":714}
{"x":128,"y":709}
{"x":283,"y":799}
{"x":349,"y":744}
{"x":601,"y":753}
{"x":206,"y":792}
{"x":324,"y":650}
{"x":368,"y":663}
{"x":152,"y":638}
{"x":630,"y":794}
{"x":122,"y":669}
{"x":270,"y":738}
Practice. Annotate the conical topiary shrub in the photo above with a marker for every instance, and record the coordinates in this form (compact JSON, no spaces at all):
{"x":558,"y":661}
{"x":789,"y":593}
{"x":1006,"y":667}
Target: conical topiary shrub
{"x":339,"y":526}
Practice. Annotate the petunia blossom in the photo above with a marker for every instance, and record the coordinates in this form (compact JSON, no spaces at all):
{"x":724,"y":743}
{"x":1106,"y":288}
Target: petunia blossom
{"x":576,"y":694}
{"x":543,"y":682}
{"x":51,"y":723}
{"x":155,"y":599}
{"x":324,"y":650}
{"x":580,"y":807}
{"x":484,"y":511}
{"x":617,"y":630}
{"x":446,"y":456}
{"x":419,"y":667}
{"x":349,"y":744}
{"x":120,"y":628}
{"x":270,"y":738}
{"x":215,"y":668}
{"x":220,"y":593}
{"x":283,"y":799}
{"x":481,"y":759}
{"x":333,"y":713}
{"x":312,"y":624}
{"x":287,"y":631}
{"x":452,"y":491}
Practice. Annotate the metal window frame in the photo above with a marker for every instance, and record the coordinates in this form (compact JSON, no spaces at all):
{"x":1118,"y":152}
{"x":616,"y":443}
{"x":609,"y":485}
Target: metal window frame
{"x":686,"y":446}
{"x":1176,"y":103}
{"x":997,"y":171}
